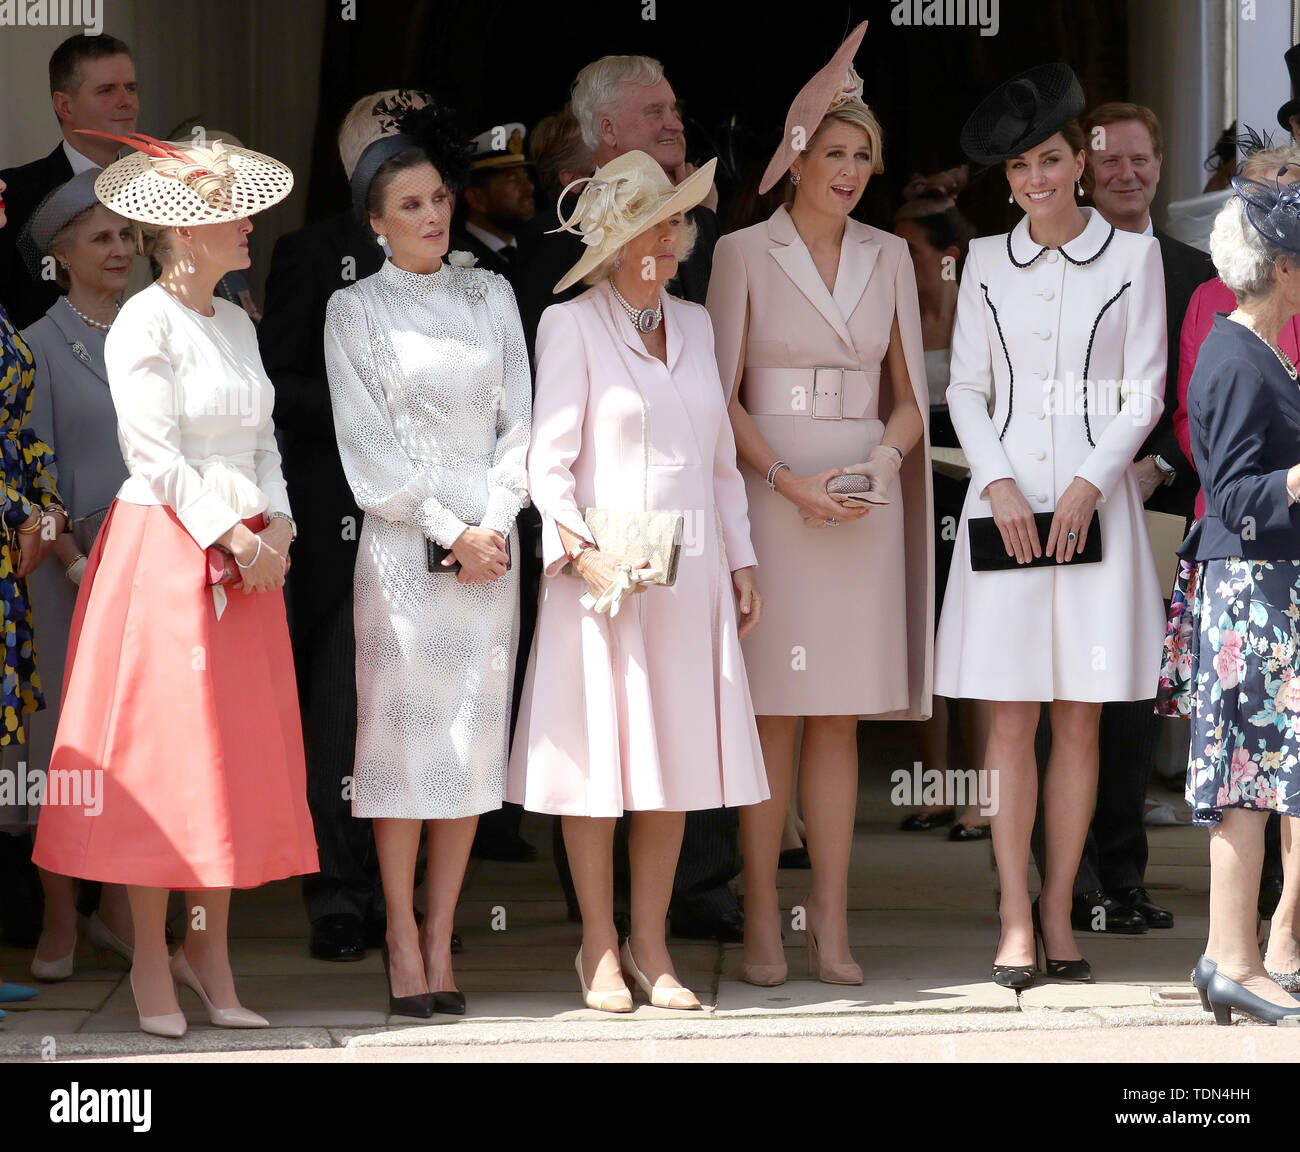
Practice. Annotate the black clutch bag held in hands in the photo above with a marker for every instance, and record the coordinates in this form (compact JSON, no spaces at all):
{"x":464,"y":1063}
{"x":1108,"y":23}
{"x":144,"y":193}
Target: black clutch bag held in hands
{"x":989,"y":554}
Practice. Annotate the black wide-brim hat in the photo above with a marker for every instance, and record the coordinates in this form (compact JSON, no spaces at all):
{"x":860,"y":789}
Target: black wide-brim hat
{"x":1022,"y":113}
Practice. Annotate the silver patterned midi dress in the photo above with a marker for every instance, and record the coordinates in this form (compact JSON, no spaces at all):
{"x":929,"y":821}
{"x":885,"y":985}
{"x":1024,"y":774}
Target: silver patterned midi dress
{"x":430,"y":388}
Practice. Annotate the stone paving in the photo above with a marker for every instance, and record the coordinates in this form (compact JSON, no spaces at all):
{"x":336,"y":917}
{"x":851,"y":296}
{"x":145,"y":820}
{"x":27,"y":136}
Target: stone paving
{"x":923,"y":926}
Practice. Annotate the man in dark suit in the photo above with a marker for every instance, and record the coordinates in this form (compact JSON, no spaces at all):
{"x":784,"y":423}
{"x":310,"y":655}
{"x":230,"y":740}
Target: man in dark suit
{"x":497,"y":201}
{"x":344,"y":900}
{"x":92,"y":85}
{"x":1123,"y":173}
{"x":624,"y":104}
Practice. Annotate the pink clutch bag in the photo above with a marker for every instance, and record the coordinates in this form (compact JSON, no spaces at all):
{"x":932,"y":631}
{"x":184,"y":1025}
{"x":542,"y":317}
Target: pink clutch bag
{"x":222,"y":568}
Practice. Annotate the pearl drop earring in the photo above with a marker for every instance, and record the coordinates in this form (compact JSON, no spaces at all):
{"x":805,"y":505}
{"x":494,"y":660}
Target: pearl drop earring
{"x":189,"y":261}
{"x":1079,"y":188}
{"x":1011,"y":199}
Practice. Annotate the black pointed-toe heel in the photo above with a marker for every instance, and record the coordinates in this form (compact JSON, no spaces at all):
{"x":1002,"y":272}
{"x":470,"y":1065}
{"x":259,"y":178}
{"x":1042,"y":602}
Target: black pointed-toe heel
{"x":1015,"y":976}
{"x":1224,"y":995}
{"x":449,"y":1003}
{"x":1079,"y":971}
{"x":420,"y":1006}
{"x":1200,"y":977}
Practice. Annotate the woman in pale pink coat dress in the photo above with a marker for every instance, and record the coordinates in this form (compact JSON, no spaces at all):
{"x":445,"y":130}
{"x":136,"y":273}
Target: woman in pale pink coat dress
{"x":646,"y":710}
{"x":819,"y":344}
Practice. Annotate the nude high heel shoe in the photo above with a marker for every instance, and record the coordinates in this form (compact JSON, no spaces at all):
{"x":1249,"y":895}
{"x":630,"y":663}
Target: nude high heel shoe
{"x":679,"y":997}
{"x":620,"y":1000}
{"x":105,"y":939}
{"x":221,"y":1017}
{"x":54,"y":971}
{"x":828,"y":972}
{"x":172,"y":1026}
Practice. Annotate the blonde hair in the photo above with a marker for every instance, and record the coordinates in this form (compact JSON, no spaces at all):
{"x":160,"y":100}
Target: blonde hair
{"x":1266,"y":162}
{"x":597,"y":89}
{"x":156,"y":241}
{"x":605,"y":269}
{"x":857,"y":114}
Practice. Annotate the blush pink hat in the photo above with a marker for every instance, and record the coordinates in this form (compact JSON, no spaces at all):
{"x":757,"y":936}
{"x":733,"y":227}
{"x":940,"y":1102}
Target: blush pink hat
{"x":832,"y":86}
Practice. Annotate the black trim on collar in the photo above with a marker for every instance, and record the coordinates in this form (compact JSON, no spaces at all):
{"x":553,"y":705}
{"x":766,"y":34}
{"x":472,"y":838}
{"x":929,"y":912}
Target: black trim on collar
{"x":1077,"y":263}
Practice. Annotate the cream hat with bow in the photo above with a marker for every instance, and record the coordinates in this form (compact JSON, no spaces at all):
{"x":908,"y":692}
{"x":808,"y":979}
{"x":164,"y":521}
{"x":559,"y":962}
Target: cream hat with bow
{"x":620,"y":201}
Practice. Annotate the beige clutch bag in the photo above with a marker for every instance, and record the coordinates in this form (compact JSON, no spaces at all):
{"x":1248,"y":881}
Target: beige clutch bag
{"x":655,"y":537}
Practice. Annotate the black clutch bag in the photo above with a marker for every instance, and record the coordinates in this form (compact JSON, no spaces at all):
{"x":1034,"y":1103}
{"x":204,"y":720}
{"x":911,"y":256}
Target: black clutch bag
{"x":989,"y":554}
{"x":437,"y":554}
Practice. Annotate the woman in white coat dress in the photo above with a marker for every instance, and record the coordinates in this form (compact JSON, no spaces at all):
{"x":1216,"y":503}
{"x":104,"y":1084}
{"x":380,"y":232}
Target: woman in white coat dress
{"x":1058,"y":365}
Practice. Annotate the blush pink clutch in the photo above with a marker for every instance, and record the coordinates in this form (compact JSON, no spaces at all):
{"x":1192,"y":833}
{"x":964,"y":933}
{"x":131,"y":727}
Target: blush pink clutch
{"x":857,"y":488}
{"x":222,"y":568}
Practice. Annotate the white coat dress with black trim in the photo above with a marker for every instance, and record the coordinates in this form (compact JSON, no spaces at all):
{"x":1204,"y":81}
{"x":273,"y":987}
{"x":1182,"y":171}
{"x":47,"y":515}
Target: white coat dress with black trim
{"x":1058,"y":371}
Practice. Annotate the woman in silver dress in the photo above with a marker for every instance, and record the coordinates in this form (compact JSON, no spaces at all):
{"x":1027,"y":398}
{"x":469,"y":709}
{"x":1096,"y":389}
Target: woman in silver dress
{"x":430,"y":388}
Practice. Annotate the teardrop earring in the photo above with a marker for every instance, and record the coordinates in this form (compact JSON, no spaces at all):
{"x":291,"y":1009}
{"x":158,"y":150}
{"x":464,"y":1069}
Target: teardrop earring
{"x":1078,"y":189}
{"x":382,"y":241}
{"x":189,"y":261}
{"x":1011,"y":199}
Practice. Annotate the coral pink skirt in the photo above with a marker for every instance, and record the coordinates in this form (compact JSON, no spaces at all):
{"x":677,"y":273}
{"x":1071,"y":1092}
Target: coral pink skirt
{"x":182,"y":729}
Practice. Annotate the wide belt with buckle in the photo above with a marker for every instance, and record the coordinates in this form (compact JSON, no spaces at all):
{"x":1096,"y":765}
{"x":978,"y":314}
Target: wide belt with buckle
{"x":822,"y":393}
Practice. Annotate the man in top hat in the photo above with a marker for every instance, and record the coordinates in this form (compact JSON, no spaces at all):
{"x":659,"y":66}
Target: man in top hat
{"x":1289,"y":114}
{"x":497,"y":201}
{"x":92,"y":85}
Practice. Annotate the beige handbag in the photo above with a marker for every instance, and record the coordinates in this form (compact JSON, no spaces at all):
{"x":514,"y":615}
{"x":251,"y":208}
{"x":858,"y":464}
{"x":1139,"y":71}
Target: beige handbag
{"x":655,"y":537}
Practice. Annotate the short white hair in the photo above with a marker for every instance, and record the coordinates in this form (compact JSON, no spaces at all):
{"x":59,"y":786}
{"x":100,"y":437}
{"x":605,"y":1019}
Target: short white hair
{"x":597,"y":90}
{"x":1242,"y":257}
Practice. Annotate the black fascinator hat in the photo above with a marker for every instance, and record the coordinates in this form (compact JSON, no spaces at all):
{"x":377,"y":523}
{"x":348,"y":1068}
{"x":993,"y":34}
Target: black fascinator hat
{"x":1273,"y":208}
{"x":433,"y":131}
{"x":1022,"y":113}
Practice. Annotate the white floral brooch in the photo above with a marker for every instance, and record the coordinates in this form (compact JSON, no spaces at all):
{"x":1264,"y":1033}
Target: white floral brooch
{"x":462,"y":259}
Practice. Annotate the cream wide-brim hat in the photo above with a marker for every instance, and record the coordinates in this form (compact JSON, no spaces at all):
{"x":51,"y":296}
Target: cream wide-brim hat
{"x":134,"y":188}
{"x":621,"y":200}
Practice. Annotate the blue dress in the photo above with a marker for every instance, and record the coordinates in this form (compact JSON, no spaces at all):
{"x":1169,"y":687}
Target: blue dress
{"x":27,"y":483}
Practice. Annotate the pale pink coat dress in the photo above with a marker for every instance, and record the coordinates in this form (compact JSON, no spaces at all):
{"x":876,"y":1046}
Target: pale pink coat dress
{"x":848,"y":624}
{"x":651,"y":709}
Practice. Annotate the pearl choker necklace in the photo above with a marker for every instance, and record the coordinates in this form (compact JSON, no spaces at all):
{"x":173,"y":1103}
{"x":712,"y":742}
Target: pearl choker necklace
{"x":86,"y":319}
{"x":644,"y":319}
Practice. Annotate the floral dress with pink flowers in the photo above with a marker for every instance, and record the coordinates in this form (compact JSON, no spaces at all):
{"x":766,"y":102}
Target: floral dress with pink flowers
{"x":1232,"y":663}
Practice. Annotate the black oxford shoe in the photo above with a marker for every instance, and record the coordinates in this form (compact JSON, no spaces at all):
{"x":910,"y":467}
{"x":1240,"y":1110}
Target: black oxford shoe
{"x":1140,"y":902}
{"x":1096,"y":912}
{"x":337,"y":937}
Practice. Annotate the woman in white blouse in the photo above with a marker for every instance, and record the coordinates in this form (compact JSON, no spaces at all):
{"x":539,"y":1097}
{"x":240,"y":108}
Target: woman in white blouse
{"x":180,"y":719}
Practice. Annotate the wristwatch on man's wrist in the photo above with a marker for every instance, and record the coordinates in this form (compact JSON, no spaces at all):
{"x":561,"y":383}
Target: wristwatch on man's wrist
{"x":1167,"y":470}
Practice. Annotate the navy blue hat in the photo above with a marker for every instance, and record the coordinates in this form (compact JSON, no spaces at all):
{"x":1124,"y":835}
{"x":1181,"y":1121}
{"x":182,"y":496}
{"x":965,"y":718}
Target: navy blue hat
{"x":1273,"y":208}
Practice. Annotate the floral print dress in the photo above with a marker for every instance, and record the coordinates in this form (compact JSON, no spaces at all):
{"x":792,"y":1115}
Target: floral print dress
{"x":1232,"y":664}
{"x":24,"y":474}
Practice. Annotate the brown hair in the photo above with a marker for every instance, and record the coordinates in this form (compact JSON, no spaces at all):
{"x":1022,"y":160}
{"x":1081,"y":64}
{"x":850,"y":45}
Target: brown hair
{"x":1117,"y":111}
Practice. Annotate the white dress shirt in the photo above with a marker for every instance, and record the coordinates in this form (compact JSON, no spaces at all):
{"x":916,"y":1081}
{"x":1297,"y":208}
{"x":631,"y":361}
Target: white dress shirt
{"x":194,"y":413}
{"x":79,"y":162}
